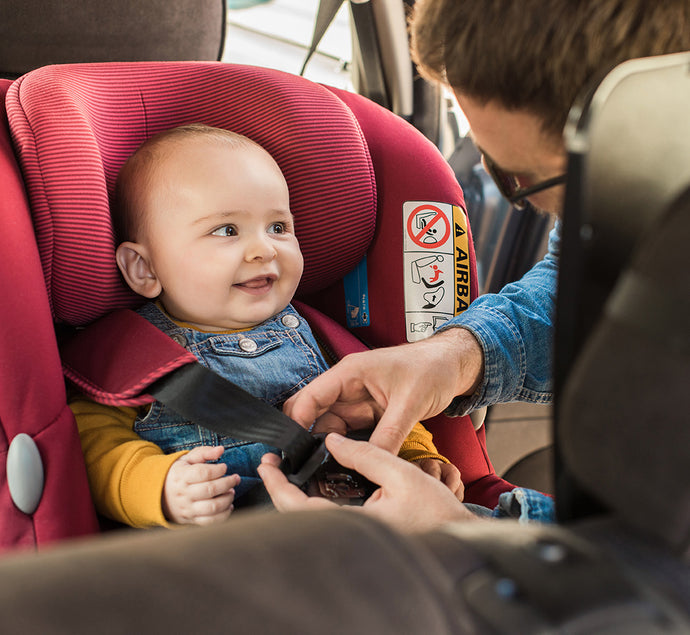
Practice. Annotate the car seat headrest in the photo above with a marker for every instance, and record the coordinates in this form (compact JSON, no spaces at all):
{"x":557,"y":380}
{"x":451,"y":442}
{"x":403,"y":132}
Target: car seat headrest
{"x":73,"y":126}
{"x":623,"y":427}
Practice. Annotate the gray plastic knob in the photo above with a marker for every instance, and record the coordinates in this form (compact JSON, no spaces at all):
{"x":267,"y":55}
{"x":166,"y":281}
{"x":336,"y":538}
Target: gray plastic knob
{"x":25,"y":477}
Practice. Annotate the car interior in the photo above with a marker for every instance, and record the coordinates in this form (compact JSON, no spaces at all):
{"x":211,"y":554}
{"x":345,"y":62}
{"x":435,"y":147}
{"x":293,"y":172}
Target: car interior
{"x":74,"y":108}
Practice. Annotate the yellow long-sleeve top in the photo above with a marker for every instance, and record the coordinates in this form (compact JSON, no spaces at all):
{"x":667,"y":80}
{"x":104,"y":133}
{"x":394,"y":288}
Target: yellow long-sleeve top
{"x":127,"y":474}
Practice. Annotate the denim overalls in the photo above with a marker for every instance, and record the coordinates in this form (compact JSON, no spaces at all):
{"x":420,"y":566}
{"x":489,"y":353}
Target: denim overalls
{"x":272,"y":361}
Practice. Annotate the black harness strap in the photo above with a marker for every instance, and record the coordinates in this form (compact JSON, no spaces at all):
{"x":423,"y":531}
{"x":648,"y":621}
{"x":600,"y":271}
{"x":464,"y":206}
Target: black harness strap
{"x":211,"y":401}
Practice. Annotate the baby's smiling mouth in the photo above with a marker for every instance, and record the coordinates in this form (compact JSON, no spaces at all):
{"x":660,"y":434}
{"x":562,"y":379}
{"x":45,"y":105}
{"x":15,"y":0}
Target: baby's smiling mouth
{"x":260,"y":284}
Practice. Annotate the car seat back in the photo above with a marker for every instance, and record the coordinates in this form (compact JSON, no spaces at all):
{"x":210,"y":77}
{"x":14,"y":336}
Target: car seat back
{"x":35,"y":34}
{"x":353,"y":169}
{"x":629,"y":390}
{"x":623,"y":336}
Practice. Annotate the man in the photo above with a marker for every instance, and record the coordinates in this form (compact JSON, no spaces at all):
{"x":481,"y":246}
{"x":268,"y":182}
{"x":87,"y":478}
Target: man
{"x":515,"y":68}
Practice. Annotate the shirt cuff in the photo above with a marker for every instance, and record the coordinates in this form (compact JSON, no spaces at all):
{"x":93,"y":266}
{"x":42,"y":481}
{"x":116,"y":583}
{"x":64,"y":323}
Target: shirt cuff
{"x":525,"y":505}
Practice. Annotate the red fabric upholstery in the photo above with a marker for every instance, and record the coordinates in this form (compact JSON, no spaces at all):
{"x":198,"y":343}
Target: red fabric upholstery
{"x":74,"y":125}
{"x":118,"y":356}
{"x":350,"y":166}
{"x":32,"y":393}
{"x":408,"y":167}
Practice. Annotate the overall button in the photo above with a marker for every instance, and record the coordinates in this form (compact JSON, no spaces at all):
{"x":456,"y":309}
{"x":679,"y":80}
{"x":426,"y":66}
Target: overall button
{"x":247,"y":345}
{"x":290,"y":321}
{"x":179,"y":338}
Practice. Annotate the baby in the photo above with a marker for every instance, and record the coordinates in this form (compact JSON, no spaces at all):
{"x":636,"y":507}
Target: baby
{"x":206,"y":234}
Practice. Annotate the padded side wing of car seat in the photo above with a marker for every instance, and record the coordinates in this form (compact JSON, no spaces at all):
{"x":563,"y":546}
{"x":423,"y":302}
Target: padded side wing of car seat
{"x":32,"y":392}
{"x":408,"y":167}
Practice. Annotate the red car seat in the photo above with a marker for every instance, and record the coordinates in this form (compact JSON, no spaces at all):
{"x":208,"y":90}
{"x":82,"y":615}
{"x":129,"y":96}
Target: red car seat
{"x":352,"y":168}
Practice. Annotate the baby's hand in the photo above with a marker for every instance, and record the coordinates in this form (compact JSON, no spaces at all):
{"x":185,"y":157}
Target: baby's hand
{"x":197,"y":492}
{"x":447,"y":473}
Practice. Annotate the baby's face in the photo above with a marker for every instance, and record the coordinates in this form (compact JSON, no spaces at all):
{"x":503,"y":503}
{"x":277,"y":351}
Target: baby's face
{"x":221,"y":235}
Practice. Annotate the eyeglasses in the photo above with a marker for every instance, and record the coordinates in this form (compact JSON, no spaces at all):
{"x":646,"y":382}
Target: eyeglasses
{"x":509,"y":187}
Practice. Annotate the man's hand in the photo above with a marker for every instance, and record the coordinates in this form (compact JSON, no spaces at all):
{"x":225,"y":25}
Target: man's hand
{"x":407,"y":498}
{"x":447,"y":473}
{"x":197,"y":492}
{"x":395,"y":387}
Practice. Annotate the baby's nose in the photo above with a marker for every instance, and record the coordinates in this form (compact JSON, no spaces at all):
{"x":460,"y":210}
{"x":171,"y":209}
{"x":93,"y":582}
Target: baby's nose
{"x":260,"y":247}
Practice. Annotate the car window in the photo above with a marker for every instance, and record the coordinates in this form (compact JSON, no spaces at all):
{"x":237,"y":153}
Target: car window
{"x":277,"y":34}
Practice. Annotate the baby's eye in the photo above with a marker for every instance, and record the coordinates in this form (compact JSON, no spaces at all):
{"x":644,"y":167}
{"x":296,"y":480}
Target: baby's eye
{"x":225,"y":230}
{"x":277,"y":228}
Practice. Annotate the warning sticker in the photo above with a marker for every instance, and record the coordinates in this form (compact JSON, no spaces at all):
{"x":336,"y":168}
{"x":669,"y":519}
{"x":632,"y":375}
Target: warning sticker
{"x":436,"y":265}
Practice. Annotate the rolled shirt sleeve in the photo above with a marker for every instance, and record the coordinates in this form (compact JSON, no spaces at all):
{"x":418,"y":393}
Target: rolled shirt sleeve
{"x":515,"y":330}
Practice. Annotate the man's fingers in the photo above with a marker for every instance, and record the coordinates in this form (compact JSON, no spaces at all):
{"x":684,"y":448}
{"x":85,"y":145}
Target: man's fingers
{"x":286,"y":496}
{"x":376,"y":464}
{"x":312,"y":401}
{"x":329,"y":422}
{"x":389,"y":434}
{"x":271,"y":459}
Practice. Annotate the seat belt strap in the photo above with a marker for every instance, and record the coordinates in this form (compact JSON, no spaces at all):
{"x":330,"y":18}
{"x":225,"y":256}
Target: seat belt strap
{"x":326,"y":13}
{"x":371,"y":73}
{"x":211,"y":401}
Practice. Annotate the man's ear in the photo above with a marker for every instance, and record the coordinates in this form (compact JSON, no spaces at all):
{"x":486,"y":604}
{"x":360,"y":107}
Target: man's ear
{"x":135,"y":265}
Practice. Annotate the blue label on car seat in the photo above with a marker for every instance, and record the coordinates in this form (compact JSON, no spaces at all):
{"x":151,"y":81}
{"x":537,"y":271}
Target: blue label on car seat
{"x":357,"y":295}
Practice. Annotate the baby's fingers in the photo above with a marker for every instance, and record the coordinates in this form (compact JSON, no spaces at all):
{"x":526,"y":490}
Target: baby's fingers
{"x":214,"y":510}
{"x":431,"y":467}
{"x":210,"y":489}
{"x":204,"y":453}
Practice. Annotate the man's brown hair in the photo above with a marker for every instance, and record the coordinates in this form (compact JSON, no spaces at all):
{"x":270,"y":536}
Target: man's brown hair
{"x":539,"y":55}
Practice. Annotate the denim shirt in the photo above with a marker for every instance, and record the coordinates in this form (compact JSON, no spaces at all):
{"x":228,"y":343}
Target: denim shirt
{"x":271,"y":361}
{"x":521,"y":504}
{"x":515,"y":329}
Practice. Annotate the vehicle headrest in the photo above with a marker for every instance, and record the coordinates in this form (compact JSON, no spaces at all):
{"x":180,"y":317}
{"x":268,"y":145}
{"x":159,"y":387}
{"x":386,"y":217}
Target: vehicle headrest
{"x":73,"y":126}
{"x":34,"y":33}
{"x":623,"y":429}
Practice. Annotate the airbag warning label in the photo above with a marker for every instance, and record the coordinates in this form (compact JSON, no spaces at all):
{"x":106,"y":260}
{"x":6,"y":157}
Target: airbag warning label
{"x":436,"y":266}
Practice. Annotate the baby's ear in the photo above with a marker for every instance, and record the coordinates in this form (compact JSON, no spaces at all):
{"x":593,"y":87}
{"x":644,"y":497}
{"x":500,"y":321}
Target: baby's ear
{"x":137,"y":270}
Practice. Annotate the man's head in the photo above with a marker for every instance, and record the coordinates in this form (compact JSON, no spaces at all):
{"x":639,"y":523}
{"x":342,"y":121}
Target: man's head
{"x":517,"y":67}
{"x":204,"y":221}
